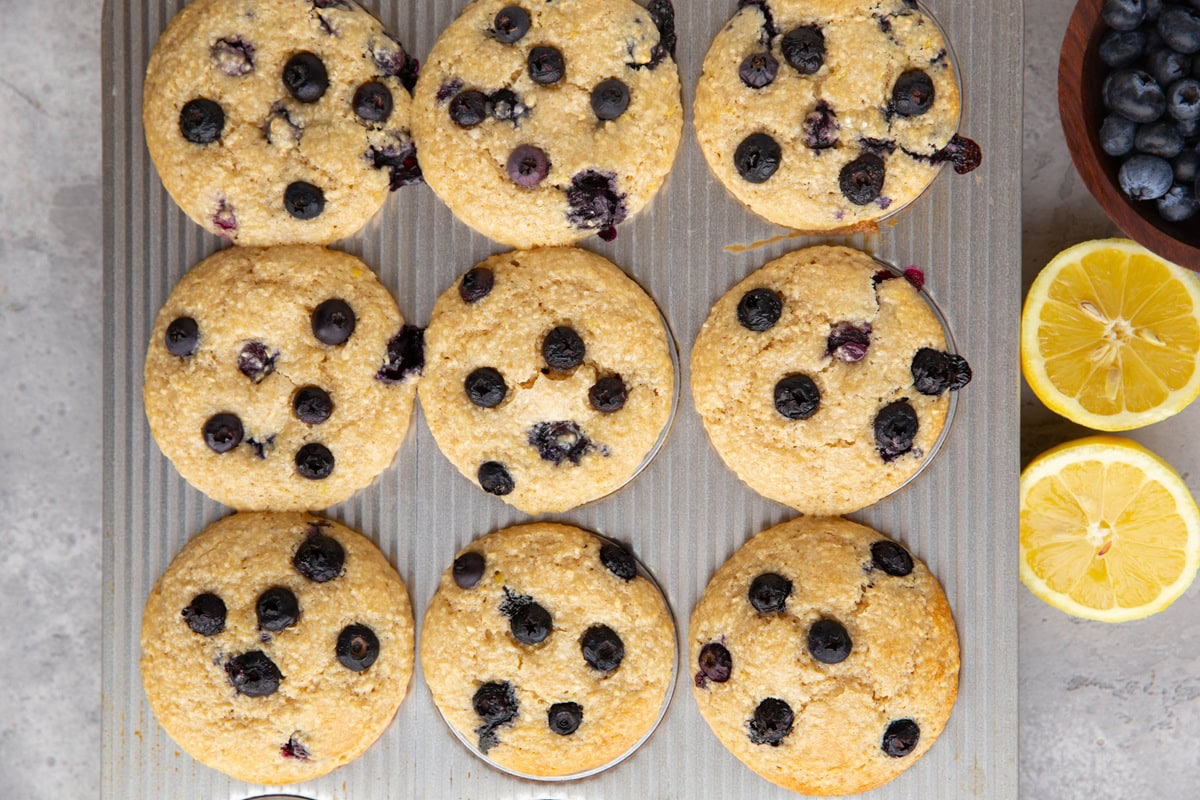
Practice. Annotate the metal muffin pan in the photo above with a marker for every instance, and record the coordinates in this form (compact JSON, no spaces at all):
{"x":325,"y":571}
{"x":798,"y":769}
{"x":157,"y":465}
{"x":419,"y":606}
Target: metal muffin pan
{"x":683,"y":516}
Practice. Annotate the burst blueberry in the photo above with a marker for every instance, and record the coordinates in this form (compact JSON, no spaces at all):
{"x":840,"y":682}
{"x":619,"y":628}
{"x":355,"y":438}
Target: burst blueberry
{"x":256,"y":362}
{"x":821,"y":127}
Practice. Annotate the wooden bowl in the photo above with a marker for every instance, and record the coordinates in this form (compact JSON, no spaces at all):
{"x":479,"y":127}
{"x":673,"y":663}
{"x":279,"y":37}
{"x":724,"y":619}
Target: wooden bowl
{"x":1081,"y":107}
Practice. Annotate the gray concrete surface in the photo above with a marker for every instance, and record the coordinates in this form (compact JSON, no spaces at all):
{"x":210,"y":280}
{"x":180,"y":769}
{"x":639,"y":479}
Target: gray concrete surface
{"x":1106,"y":712}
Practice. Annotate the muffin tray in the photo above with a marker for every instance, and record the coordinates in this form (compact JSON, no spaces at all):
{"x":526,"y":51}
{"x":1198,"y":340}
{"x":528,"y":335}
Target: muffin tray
{"x":683,"y":516}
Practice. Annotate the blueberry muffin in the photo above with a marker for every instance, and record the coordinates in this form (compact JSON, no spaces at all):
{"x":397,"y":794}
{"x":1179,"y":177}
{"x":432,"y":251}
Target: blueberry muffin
{"x":823,"y":380}
{"x":548,"y":650}
{"x":543,"y":123}
{"x":826,"y":115}
{"x":281,"y":378}
{"x":824,"y":656}
{"x":549,"y":379}
{"x":277,"y":647}
{"x":279,"y":121}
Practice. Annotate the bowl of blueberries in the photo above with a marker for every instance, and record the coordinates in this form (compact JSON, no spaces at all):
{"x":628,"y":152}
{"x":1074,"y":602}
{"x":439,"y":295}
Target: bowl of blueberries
{"x":1129,"y":99}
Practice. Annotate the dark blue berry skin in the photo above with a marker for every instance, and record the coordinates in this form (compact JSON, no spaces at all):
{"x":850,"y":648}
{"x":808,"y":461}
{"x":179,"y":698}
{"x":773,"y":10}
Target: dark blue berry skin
{"x":202,"y":121}
{"x":357,"y":647}
{"x":1124,"y":15}
{"x":1153,"y":9}
{"x":1187,"y":166}
{"x":1117,"y":134}
{"x":1183,"y":100}
{"x":565,"y":718}
{"x":1134,"y":94}
{"x":305,"y":77}
{"x":1189,"y":129}
{"x":757,"y":157}
{"x":1120,"y":49}
{"x":182,"y":337}
{"x":1160,"y":139}
{"x":758,"y":70}
{"x":901,"y":738}
{"x":1179,"y":204}
{"x":1180,"y":29}
{"x":1167,"y":66}
{"x":804,"y":49}
{"x":771,"y":723}
{"x":1145,"y":177}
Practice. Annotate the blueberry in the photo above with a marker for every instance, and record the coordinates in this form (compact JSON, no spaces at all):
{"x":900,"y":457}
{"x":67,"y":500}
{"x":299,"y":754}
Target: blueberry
{"x":1167,"y":66}
{"x":769,"y":592}
{"x":468,"y":108}
{"x":495,"y":479}
{"x":602,"y":648}
{"x":511,"y":24}
{"x":314,"y":461}
{"x":256,"y":362}
{"x":495,"y":703}
{"x":828,"y":641}
{"x":797,"y":397}
{"x":913,"y":94}
{"x":233,"y":56}
{"x":312,"y":405}
{"x":319,"y":558}
{"x":1117,"y":134}
{"x":528,"y":166}
{"x":505,"y":105}
{"x":617,"y":560}
{"x":530,"y":623}
{"x":559,"y":441}
{"x":758,"y":70}
{"x":895,"y":428}
{"x":610,"y":98}
{"x":205,"y":615}
{"x":468,"y":570}
{"x":1179,"y":204}
{"x":1145,"y":177}
{"x":757,"y":157}
{"x":1124,"y":15}
{"x":485,"y":387}
{"x":1160,"y":139}
{"x":848,"y":342}
{"x":201,"y":121}
{"x":253,"y":674}
{"x":401,"y":163}
{"x":901,"y":738}
{"x":935,"y":372}
{"x":277,"y":609}
{"x":1120,"y":49}
{"x":476,"y":284}
{"x":715,"y":662}
{"x":759,"y":310}
{"x":595,"y":202}
{"x":357,"y":647}
{"x":1134,"y":94}
{"x":965,"y":154}
{"x":1189,"y":129}
{"x":1153,"y":9}
{"x":373,"y":102}
{"x":405,"y":355}
{"x":861,"y":181}
{"x":333,"y":322}
{"x":292,"y":748}
{"x":565,"y":718}
{"x":891,"y":558}
{"x":821,"y":127}
{"x":772,"y":722}
{"x":563,"y":349}
{"x":182,"y":337}
{"x":608,"y":394}
{"x":1180,"y":29}
{"x":546,"y":65}
{"x":804,"y":49}
{"x":305,"y":77}
{"x":1187,"y":166}
{"x":1183,"y":100}
{"x":223,"y":432}
{"x":303,"y":200}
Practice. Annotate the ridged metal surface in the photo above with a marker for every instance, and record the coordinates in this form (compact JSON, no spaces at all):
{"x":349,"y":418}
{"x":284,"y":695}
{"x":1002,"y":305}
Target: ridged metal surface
{"x":684,"y":515}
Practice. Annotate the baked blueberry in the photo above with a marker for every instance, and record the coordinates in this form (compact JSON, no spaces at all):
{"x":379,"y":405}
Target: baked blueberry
{"x":255,"y":361}
{"x":333,"y":322}
{"x":528,"y":166}
{"x":563,"y":349}
{"x":405,"y":355}
{"x":964,"y":154}
{"x":610,"y":98}
{"x":205,"y":614}
{"x":564,"y":718}
{"x":319,"y":558}
{"x":772,"y":722}
{"x":757,"y":157}
{"x":861,"y":181}
{"x":357,"y":647}
{"x":759,"y":310}
{"x":510,"y":25}
{"x":602,"y":648}
{"x":253,"y":674}
{"x":546,"y":65}
{"x":314,"y":461}
{"x":495,"y":703}
{"x":305,"y":77}
{"x":1117,"y":134}
{"x":901,"y":738}
{"x":505,"y":105}
{"x":891,"y":558}
{"x":223,"y":432}
{"x":804,"y":49}
{"x":715,"y":664}
{"x":373,"y":102}
{"x":608,"y":394}
{"x":530,"y":623}
{"x":494,"y":478}
{"x":559,"y":441}
{"x":797,"y":397}
{"x":476,"y":284}
{"x":468,"y":570}
{"x":758,"y":70}
{"x":895,"y":428}
{"x":935,"y":372}
{"x":821,"y":127}
{"x":848,"y":342}
{"x":595,"y":203}
{"x":769,"y":592}
{"x":486,"y":387}
{"x":233,"y":56}
{"x":619,"y":561}
{"x":303,"y":200}
{"x":1145,"y":177}
{"x":468,"y":108}
{"x":913,"y":94}
{"x":182,"y":337}
{"x":276,"y":609}
{"x":828,"y":641}
{"x":201,"y":121}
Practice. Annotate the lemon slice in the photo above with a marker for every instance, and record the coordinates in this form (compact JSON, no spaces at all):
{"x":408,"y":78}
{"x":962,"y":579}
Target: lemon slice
{"x":1109,"y":531}
{"x":1110,"y":336}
